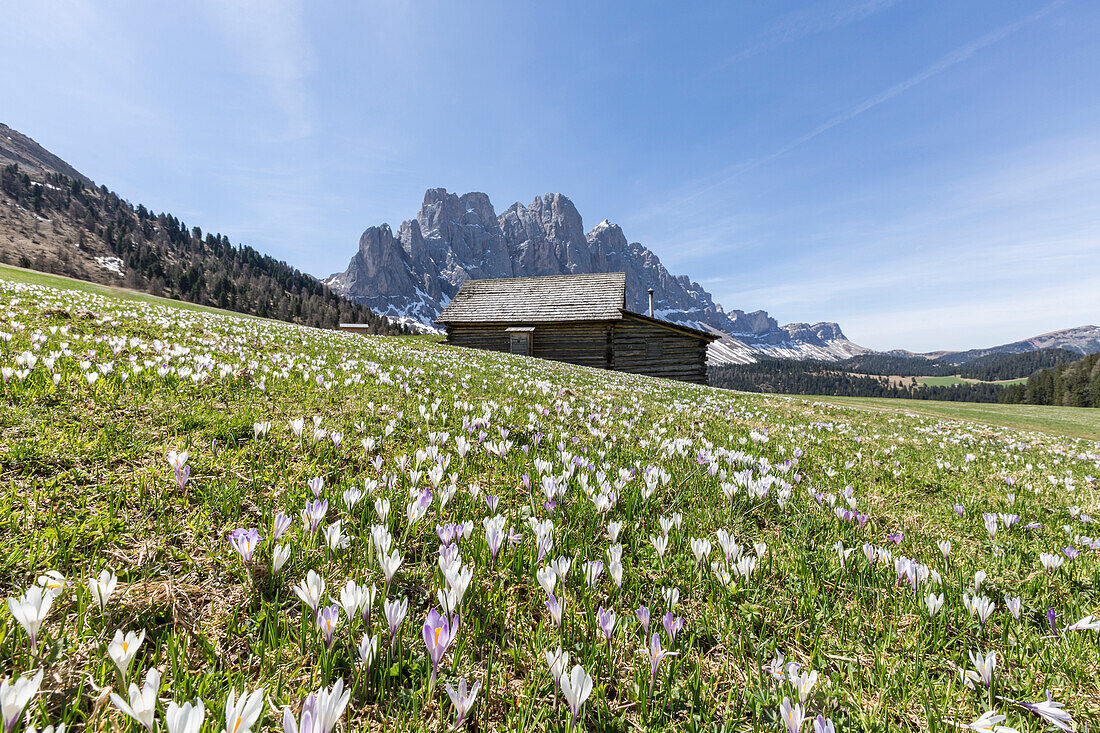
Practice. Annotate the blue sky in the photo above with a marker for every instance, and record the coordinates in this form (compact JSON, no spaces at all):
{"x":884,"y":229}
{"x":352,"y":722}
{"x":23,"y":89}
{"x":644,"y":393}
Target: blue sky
{"x":925,"y":173}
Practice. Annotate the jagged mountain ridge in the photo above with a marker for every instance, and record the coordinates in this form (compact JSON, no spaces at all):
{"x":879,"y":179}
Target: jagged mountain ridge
{"x":415,"y":272}
{"x":1082,"y":340}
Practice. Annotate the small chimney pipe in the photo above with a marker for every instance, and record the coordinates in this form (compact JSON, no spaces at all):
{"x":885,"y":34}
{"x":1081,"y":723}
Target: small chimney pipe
{"x":651,"y":302}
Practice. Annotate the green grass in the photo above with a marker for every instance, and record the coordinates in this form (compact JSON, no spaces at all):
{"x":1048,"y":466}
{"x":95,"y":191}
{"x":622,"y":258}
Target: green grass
{"x":1077,"y":422}
{"x":85,"y":487}
{"x":953,"y":380}
{"x":940,"y":381}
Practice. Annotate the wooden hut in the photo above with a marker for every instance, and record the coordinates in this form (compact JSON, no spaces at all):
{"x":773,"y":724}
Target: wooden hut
{"x":580,"y":319}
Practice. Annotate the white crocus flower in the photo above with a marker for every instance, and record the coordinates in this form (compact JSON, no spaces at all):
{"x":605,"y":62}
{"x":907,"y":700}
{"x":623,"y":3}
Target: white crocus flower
{"x":390,"y":564}
{"x":576,"y":687}
{"x":311,"y":589}
{"x":14,"y":696}
{"x":368,"y":649}
{"x":142,"y":705}
{"x":31,"y":609}
{"x":701,"y":549}
{"x":122,"y":650}
{"x":243,"y":713}
{"x":547,"y":579}
{"x":186,"y":718}
{"x":102,"y":588}
{"x":279,"y":557}
{"x":352,"y":598}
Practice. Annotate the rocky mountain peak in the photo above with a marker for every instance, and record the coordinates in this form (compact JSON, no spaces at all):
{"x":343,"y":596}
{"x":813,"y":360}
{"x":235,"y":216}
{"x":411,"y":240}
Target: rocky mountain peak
{"x":453,"y":238}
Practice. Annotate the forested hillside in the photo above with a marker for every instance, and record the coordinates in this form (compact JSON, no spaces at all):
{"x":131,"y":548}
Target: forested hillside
{"x":1071,"y":385}
{"x":824,"y":378}
{"x":989,"y":368}
{"x":995,"y":367}
{"x":58,"y":224}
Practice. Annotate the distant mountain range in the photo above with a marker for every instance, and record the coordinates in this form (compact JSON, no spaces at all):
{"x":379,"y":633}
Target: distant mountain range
{"x":413,"y":273}
{"x":1081,"y":340}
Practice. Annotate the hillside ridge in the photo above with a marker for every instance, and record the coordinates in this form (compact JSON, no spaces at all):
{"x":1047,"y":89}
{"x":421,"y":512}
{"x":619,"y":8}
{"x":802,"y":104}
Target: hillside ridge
{"x":56,"y":220}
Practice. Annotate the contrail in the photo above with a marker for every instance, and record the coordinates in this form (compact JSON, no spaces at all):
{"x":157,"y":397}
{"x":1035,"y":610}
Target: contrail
{"x":943,"y":64}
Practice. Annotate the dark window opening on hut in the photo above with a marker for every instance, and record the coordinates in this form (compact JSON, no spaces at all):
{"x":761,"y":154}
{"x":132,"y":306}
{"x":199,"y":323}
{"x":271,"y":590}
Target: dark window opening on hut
{"x":519,"y":340}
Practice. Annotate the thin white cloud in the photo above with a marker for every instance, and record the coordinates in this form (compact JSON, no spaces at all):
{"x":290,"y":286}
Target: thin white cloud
{"x":725,"y":176}
{"x":810,"y":22}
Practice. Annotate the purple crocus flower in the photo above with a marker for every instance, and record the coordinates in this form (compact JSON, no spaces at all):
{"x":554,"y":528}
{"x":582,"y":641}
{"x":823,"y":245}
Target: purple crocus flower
{"x":554,"y":607}
{"x":448,"y":554}
{"x":447,"y":532}
{"x":316,"y":484}
{"x":550,"y":506}
{"x":896,"y":537}
{"x":606,"y":620}
{"x":1050,"y":711}
{"x":438,"y":634}
{"x":314,"y":512}
{"x":462,"y":700}
{"x":245,"y":542}
{"x":672,"y":625}
{"x":642,"y":612}
{"x":395,"y":614}
{"x":960,"y":509}
{"x":327,"y":619}
{"x":656,"y":654}
{"x":1071,"y":552}
{"x":494,"y":537}
{"x":492,"y":502}
{"x":282,"y":524}
{"x":1051,"y":619}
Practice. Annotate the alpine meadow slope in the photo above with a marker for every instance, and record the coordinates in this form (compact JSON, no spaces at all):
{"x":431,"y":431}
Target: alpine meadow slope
{"x":253,"y":518}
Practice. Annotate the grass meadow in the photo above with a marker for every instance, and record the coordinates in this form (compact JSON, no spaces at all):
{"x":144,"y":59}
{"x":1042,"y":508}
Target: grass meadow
{"x":952,"y":381}
{"x":214,"y":523}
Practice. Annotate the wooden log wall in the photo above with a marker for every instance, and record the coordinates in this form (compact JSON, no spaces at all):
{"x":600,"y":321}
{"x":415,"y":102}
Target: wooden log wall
{"x":489,"y":337}
{"x":646,"y":348}
{"x":588,"y":344}
{"x":630,"y":345}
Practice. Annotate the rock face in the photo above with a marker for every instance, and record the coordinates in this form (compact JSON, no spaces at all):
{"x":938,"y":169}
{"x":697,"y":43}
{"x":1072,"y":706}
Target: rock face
{"x":414,"y":273}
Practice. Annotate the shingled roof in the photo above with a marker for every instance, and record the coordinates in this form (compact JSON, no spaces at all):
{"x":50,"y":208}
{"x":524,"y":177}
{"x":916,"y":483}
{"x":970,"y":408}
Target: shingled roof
{"x":596,"y":297}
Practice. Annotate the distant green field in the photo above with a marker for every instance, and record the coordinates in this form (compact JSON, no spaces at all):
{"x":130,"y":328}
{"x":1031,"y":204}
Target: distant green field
{"x":1078,"y":422}
{"x":953,"y":380}
{"x":939,"y":381}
